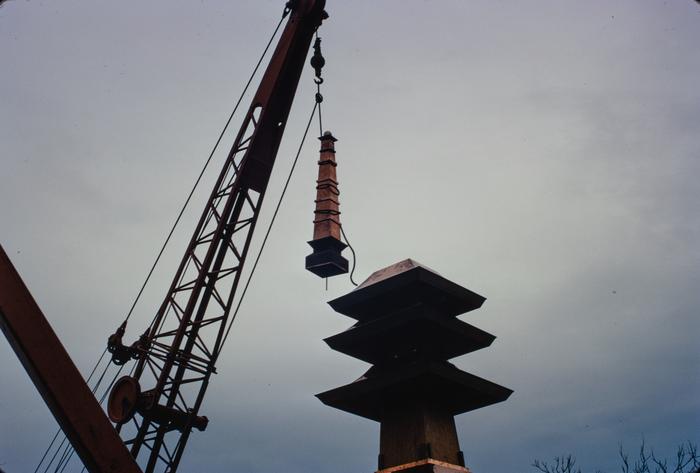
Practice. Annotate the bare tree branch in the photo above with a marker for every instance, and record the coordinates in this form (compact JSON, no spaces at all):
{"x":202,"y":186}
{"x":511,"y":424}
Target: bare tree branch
{"x":687,"y":461}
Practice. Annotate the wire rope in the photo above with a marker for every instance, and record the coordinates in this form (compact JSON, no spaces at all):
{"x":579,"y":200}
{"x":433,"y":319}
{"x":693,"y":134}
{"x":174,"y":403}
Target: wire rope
{"x":58,"y":431}
{"x":206,"y":164}
{"x":269,"y":228}
{"x":102,"y":399}
{"x":60,"y":446}
{"x":179,"y":216}
{"x":46,"y":452}
{"x":319,"y":100}
{"x":65,"y":456}
{"x":354,"y":255}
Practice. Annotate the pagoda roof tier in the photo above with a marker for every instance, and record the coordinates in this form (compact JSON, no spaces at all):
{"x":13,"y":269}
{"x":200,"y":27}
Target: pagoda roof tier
{"x":422,"y":383}
{"x":402,"y":285}
{"x":415,"y":333}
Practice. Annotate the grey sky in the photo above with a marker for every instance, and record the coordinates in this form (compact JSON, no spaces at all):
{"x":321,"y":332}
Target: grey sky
{"x":543,"y":154}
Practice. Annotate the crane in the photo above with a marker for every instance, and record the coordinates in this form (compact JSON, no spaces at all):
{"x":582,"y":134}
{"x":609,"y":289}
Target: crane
{"x":156,"y":407}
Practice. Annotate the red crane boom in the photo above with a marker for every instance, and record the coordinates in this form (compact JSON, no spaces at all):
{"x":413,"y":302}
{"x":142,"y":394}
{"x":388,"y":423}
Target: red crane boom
{"x":57,"y":379}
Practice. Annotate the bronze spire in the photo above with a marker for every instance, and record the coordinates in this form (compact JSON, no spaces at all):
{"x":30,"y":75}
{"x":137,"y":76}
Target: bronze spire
{"x":326,"y":259}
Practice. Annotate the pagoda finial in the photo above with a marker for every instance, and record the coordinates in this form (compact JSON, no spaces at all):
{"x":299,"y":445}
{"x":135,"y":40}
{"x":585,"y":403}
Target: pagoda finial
{"x":326,"y":259}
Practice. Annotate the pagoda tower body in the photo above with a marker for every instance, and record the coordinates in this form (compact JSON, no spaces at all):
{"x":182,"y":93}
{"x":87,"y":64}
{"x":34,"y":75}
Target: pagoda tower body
{"x":407,"y":328}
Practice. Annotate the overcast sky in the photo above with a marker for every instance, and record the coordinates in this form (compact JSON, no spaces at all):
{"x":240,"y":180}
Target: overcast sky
{"x":543,"y":154}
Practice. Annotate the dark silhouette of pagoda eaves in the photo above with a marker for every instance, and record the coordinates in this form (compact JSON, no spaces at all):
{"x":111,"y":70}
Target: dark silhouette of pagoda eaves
{"x":407,"y":328}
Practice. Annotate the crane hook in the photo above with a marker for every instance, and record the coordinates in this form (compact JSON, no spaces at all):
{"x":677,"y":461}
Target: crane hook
{"x":318,"y":61}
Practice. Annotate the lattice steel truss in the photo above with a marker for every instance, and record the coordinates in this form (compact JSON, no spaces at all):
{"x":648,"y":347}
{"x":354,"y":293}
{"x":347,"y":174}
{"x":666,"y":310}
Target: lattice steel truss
{"x":180,"y":350}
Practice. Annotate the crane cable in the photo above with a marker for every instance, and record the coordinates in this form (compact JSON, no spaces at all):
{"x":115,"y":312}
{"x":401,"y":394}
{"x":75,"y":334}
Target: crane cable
{"x":269,"y":228}
{"x":317,"y":108}
{"x":177,"y":220}
{"x":70,"y":451}
{"x":319,"y":99}
{"x":66,"y":456}
{"x":354,"y":256}
{"x":206,"y":164}
{"x":59,"y":430}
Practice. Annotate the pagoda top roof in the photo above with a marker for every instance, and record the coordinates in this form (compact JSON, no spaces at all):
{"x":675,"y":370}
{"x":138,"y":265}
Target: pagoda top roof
{"x":393,"y":270}
{"x":402,"y":285}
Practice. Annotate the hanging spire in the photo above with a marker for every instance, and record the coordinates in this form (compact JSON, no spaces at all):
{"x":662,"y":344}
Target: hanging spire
{"x":326,"y":259}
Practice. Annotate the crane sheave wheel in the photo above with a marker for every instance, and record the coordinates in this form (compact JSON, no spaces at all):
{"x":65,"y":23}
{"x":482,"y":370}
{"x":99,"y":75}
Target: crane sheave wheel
{"x":122,"y":400}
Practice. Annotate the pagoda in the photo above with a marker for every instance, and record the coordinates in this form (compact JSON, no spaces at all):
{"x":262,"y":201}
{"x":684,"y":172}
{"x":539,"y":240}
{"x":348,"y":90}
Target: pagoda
{"x":407,"y":328}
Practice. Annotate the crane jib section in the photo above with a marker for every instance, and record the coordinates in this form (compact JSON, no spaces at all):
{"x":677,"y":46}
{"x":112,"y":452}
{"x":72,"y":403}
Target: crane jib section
{"x":177,"y":355}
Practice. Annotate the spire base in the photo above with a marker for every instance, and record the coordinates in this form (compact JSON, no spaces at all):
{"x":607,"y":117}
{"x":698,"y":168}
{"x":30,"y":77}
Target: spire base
{"x":326,"y":260}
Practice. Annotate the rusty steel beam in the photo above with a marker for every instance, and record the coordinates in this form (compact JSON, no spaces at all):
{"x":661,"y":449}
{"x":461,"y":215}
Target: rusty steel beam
{"x":58,"y":380}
